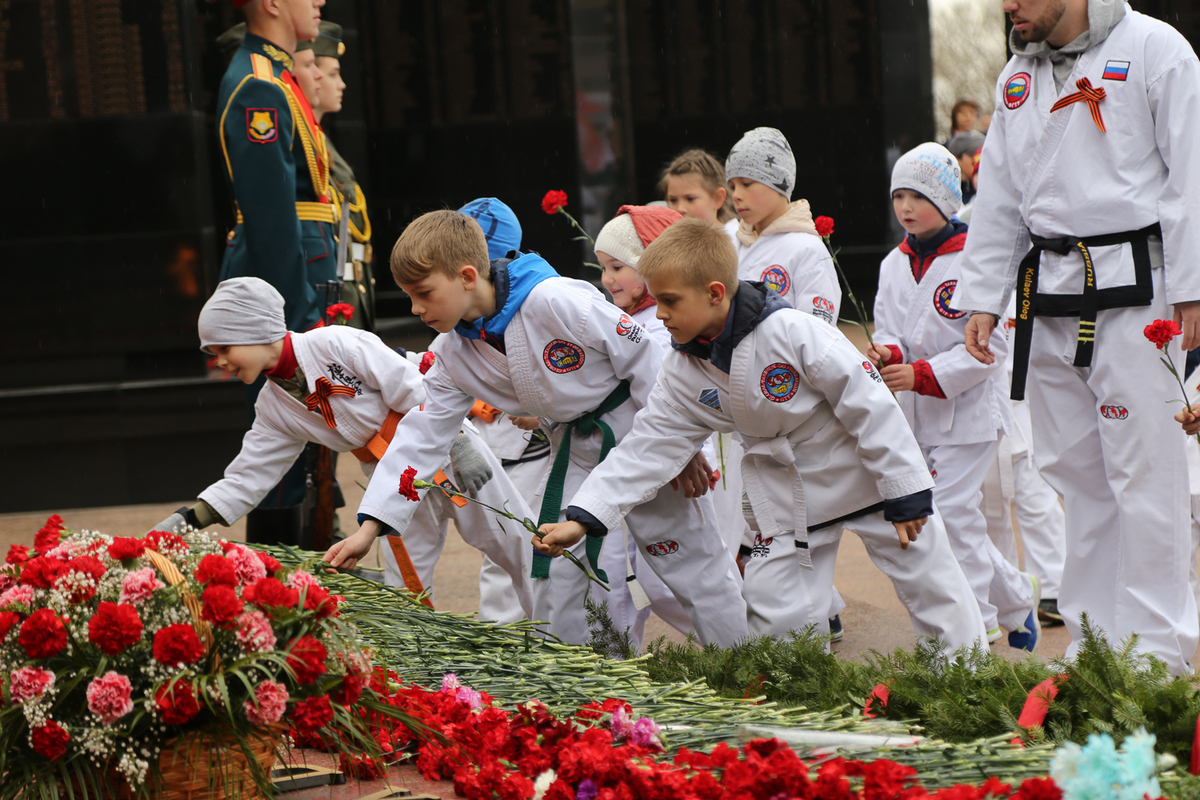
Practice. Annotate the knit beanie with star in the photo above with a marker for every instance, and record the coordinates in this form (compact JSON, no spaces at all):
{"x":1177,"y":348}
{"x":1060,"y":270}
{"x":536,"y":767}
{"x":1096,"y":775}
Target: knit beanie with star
{"x":930,"y":170}
{"x":763,"y":155}
{"x":626,"y":236}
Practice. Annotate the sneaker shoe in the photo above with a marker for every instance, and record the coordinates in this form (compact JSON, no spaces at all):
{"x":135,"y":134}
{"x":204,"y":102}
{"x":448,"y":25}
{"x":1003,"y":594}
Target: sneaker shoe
{"x":1029,"y":635}
{"x":836,"y":632}
{"x":1048,"y":613}
{"x":994,"y":635}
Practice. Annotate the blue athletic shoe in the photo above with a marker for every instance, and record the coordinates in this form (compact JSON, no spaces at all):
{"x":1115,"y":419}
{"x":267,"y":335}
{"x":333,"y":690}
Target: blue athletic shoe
{"x":1029,"y":635}
{"x":836,"y":632}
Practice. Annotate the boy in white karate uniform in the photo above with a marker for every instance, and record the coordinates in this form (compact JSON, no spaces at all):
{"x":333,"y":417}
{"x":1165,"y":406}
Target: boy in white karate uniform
{"x":537,"y":344}
{"x":827,"y":449}
{"x":345,"y":389}
{"x":956,"y":405}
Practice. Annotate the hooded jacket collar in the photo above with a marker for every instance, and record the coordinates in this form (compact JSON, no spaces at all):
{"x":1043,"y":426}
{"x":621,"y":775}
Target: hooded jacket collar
{"x":797,"y":219}
{"x":514,"y":279}
{"x":1103,"y":16}
{"x":753,"y":303}
{"x":950,"y":239}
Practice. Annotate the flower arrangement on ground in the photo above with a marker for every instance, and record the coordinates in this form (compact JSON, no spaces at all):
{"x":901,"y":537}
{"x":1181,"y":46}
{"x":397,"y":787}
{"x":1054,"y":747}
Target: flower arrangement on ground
{"x":111,"y":649}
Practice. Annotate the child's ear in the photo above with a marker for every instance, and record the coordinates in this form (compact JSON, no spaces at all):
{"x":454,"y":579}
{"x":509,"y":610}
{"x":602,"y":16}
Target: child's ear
{"x":469,"y":275}
{"x":716,"y":293}
{"x":720,"y":194}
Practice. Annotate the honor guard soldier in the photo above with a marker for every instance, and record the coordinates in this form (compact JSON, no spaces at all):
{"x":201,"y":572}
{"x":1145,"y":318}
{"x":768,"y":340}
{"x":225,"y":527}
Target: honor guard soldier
{"x":278,"y":168}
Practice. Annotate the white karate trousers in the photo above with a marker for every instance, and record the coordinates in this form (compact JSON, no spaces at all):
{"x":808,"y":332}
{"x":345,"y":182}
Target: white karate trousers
{"x":497,"y":595}
{"x":1104,"y":438}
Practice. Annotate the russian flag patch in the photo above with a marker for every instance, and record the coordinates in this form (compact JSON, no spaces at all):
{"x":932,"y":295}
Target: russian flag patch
{"x":1116,"y":71}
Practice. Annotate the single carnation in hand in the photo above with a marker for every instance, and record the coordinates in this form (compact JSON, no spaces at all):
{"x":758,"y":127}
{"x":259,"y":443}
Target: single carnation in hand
{"x":313,"y":713}
{"x":254,"y":632}
{"x":824,"y":226}
{"x":17,"y":554}
{"x":42,"y":572}
{"x":114,"y":628}
{"x":247,"y":566}
{"x":306,"y":658}
{"x":124,"y":549}
{"x":215,"y":569}
{"x":222,"y":606}
{"x":553,"y":201}
{"x":43,"y":634}
{"x":109,"y":697}
{"x":140,"y":585}
{"x":271,"y":700}
{"x":50,"y":740}
{"x":177,"y":702}
{"x":269,"y":592}
{"x":176,"y":645}
{"x":1161,"y":332}
{"x":406,"y":484}
{"x":27,"y":683}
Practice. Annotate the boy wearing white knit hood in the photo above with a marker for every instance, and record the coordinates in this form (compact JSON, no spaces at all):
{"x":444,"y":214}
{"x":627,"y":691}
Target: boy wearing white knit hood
{"x":956,"y":405}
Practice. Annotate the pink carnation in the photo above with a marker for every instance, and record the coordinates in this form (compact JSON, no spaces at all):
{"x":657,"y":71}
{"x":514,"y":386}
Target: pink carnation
{"x":472,"y":698}
{"x":645,"y":733}
{"x":109,"y":697}
{"x":246,"y":565}
{"x":27,"y":683}
{"x":254,"y":632}
{"x":139,"y":585}
{"x":7,"y":579}
{"x":272,"y":702}
{"x":17,"y":595}
{"x":622,"y":723}
{"x":450,"y":682}
{"x":302,"y":580}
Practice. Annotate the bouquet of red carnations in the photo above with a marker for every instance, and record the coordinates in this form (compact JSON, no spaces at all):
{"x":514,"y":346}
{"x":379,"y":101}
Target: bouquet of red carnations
{"x":115,"y":650}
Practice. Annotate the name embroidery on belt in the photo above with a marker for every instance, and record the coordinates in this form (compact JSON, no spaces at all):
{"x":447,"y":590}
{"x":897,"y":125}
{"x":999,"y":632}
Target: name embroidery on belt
{"x":1016,"y":91}
{"x":779,"y":382}
{"x":711,"y":397}
{"x":562,"y":356}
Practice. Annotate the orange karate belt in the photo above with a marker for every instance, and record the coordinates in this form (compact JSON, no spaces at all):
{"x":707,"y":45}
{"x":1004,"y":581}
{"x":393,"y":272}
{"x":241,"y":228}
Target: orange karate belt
{"x":1088,"y":95}
{"x":373,"y":450}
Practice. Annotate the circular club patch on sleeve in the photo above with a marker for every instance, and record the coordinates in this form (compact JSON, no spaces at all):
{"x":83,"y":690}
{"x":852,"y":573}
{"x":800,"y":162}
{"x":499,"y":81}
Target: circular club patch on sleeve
{"x":941,"y":301}
{"x":625,"y":325}
{"x":1016,"y":91}
{"x":777,"y":278}
{"x":779,"y":382}
{"x":562,"y":356}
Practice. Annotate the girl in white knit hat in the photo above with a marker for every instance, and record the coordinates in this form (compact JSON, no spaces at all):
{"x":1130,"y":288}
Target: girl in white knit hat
{"x":958,"y":407}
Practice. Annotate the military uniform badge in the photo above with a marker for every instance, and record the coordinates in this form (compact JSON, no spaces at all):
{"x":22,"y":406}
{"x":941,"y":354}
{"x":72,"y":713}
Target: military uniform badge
{"x":262,"y":125}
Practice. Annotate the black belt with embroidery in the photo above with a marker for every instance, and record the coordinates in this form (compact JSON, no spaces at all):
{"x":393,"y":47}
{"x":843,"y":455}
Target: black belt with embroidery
{"x":1032,"y":304}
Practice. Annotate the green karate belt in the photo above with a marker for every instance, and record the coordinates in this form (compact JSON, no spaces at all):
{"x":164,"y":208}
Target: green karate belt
{"x":552,"y":500}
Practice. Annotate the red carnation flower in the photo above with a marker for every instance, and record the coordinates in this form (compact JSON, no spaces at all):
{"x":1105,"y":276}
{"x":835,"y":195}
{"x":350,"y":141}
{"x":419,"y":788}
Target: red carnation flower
{"x":553,"y":201}
{"x":350,"y":690}
{"x":42,"y":572}
{"x":76,"y":590}
{"x":50,"y":740}
{"x":17,"y":554}
{"x":176,"y":645}
{"x":270,"y":592}
{"x":177,"y":702}
{"x":123,"y":549}
{"x":316,"y":598}
{"x":1038,"y":789}
{"x":48,"y":537}
{"x":427,"y":361}
{"x":8,"y":621}
{"x":215,"y":569}
{"x":43,"y":635}
{"x":163,"y":541}
{"x":340,"y":313}
{"x":824,"y":226}
{"x":406,"y":484}
{"x":306,"y":657}
{"x":114,"y":628}
{"x":221,"y":606}
{"x":1161,"y":332}
{"x":269,"y":561}
{"x":313,"y":713}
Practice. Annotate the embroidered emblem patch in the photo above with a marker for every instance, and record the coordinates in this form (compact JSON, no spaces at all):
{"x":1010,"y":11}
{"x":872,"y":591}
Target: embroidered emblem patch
{"x":779,"y":382}
{"x":629,"y":329}
{"x":344,"y":378}
{"x":874,"y":373}
{"x":1016,"y":91}
{"x":562,"y":356}
{"x":662,"y":548}
{"x":711,"y":398}
{"x":762,"y":547}
{"x":776,"y":278}
{"x":261,"y":125}
{"x":1116,"y":71}
{"x":1114,"y":412}
{"x":941,"y":301}
{"x":823,"y":309}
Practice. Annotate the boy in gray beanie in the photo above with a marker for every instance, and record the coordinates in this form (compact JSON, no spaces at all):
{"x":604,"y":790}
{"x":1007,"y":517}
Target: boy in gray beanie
{"x":343,"y":388}
{"x":956,"y":405}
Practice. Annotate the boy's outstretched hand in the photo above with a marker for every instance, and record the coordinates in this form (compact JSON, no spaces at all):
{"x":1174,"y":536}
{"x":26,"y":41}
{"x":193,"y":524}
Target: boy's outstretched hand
{"x":908,"y":530}
{"x":1189,"y":418}
{"x":696,"y":477}
{"x":349,"y":551}
{"x":558,"y":536}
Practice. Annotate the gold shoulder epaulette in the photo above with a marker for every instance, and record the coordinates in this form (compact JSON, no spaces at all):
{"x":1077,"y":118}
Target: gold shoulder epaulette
{"x":280,"y":56}
{"x":261,"y":65}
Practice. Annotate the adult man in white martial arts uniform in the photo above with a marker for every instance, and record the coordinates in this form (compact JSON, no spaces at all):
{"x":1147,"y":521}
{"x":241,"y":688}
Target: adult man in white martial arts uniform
{"x":1088,"y":185}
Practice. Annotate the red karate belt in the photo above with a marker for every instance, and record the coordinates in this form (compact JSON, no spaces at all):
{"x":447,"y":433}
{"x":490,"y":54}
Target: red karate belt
{"x":1088,"y":95}
{"x":319,"y":399}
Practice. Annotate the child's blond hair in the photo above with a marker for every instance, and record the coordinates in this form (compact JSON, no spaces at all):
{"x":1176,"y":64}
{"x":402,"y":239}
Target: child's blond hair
{"x":440,"y":241}
{"x":693,"y":251}
{"x":711,"y":173}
